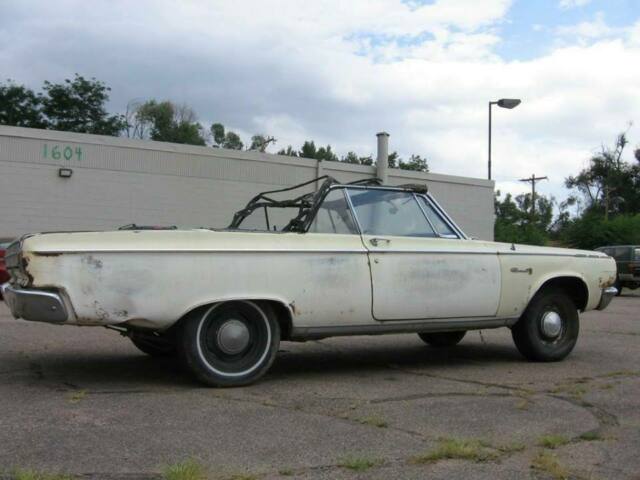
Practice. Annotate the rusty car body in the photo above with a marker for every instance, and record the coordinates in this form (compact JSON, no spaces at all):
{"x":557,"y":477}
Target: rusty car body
{"x":340,"y":259}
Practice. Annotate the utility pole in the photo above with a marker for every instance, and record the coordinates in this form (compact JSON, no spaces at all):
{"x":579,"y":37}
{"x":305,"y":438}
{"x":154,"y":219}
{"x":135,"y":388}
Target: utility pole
{"x":533,"y":179}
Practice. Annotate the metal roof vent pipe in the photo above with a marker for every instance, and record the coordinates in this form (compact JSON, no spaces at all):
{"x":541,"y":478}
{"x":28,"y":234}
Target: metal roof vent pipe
{"x":382,"y":159}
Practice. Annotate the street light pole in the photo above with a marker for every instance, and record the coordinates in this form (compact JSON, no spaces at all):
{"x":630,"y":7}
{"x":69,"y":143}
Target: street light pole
{"x":490,"y":105}
{"x":503,"y":103}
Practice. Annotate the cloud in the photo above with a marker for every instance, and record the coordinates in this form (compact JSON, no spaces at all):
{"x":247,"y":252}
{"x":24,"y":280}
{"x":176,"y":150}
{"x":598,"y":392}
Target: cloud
{"x":338,"y":72}
{"x":589,"y":30}
{"x":566,"y":4}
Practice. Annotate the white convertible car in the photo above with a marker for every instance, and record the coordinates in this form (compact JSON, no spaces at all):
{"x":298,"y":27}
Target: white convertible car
{"x":344,"y":259}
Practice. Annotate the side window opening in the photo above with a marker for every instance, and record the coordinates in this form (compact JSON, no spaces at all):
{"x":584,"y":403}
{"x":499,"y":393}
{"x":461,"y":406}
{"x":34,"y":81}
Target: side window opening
{"x":442,"y":227}
{"x":334,"y":215}
{"x":388,"y":212}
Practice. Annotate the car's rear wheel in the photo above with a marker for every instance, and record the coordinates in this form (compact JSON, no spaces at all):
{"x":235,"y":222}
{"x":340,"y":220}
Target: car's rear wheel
{"x":231,"y":343}
{"x":548,"y":329}
{"x":442,"y":339}
{"x":154,"y":345}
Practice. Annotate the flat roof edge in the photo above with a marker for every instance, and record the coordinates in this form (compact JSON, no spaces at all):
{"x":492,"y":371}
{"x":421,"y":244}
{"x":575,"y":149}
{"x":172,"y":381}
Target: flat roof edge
{"x":123,"y":142}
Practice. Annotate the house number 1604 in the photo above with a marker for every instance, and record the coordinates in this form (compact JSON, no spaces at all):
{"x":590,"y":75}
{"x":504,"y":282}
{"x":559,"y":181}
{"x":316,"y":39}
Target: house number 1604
{"x":56,"y":152}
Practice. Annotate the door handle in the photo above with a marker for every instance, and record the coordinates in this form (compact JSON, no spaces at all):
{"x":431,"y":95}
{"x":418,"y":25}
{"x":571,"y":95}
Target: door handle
{"x":377,"y":241}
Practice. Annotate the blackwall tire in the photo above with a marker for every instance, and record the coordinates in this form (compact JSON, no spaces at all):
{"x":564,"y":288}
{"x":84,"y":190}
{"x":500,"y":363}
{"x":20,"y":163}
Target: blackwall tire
{"x":231,"y":343}
{"x":155,"y":347}
{"x":442,"y":339}
{"x":548,"y":329}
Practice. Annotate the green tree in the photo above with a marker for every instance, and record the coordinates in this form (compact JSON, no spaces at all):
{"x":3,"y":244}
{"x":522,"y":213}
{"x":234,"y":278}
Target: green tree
{"x":226,"y":139}
{"x":289,"y":151}
{"x":394,"y":159}
{"x":308,"y":149}
{"x":416,"y":163}
{"x":609,"y":185}
{"x":168,"y":122}
{"x":515,"y":222}
{"x":217,"y":130}
{"x":591,"y":230}
{"x":20,"y":106}
{"x":78,"y":105}
{"x":261,"y":142}
{"x":352,"y":157}
{"x":326,"y":154}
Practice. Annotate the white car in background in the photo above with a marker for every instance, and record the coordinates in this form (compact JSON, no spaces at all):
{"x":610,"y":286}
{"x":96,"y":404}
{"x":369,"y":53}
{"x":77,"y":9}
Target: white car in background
{"x":343,"y":259}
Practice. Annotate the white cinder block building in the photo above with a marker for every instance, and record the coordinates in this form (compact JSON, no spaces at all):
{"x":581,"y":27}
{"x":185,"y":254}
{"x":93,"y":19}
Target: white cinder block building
{"x":118,"y":181}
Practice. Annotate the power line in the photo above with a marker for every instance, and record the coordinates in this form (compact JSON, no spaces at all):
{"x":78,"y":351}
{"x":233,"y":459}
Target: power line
{"x":533,"y":179}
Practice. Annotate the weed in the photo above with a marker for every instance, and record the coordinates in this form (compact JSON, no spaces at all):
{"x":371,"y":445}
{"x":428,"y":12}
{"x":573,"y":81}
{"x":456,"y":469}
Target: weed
{"x":20,"y":474}
{"x":451,"y":448}
{"x":621,"y":373}
{"x":358,"y":464}
{"x":374,"y":421}
{"x":76,"y":396}
{"x":591,"y":436}
{"x":548,"y":463}
{"x":186,"y":470}
{"x":552,"y":441}
{"x":508,"y":448}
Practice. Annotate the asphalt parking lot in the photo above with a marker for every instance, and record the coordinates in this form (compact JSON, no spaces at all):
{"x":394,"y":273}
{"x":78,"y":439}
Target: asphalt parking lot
{"x":85,"y":402}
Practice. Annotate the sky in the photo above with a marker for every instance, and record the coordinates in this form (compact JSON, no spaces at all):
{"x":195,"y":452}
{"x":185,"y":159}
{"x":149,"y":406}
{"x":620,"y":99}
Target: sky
{"x":339,"y":71}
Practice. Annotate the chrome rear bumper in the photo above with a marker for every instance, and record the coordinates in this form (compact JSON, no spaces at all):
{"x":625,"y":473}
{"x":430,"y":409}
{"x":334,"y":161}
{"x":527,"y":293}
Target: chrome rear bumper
{"x":607,"y":294}
{"x":36,"y":305}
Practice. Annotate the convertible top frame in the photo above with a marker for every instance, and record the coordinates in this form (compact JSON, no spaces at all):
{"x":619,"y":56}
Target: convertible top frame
{"x":308,"y":203}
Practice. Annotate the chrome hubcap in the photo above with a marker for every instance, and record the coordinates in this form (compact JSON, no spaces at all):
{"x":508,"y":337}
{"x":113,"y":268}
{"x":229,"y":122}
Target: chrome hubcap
{"x":233,"y":337}
{"x":551,"y":324}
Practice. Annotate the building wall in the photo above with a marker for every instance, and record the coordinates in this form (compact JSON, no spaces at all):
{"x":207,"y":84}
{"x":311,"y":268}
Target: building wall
{"x":119,"y":181}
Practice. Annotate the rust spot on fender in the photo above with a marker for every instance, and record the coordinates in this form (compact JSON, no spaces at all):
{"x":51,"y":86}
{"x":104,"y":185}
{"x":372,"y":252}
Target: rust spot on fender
{"x":92,"y":262}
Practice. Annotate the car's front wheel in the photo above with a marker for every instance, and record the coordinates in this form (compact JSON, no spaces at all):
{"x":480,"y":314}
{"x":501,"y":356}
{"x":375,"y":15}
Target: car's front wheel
{"x":442,"y":339}
{"x":548,"y":329}
{"x":230,"y":343}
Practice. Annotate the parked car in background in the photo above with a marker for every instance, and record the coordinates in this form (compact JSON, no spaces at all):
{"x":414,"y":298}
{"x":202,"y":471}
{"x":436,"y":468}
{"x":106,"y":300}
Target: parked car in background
{"x":628,"y":262}
{"x":4,"y":275}
{"x":343,"y":259}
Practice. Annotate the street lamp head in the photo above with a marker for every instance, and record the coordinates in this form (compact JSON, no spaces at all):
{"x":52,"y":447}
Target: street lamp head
{"x":508,"y":102}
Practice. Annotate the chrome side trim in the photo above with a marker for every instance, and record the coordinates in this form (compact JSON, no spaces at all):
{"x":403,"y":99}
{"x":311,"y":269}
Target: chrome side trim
{"x":435,"y":232}
{"x":443,"y":212}
{"x":607,"y":295}
{"x":573,"y":255}
{"x":441,"y":325}
{"x":35,"y":305}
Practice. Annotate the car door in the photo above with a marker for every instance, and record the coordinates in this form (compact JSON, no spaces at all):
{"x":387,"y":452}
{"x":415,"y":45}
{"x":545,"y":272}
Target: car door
{"x":416,"y":271}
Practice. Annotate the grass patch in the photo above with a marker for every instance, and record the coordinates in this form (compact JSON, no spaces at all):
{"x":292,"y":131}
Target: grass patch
{"x":592,"y":436}
{"x":26,"y":474}
{"x":358,"y":464}
{"x":76,"y":396}
{"x":286,"y":472}
{"x":552,"y":441}
{"x":451,"y":448}
{"x":186,"y":470}
{"x":523,"y":404}
{"x":574,"y":390}
{"x":548,"y":463}
{"x":373,"y":421}
{"x":621,"y":373}
{"x":510,"y":448}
